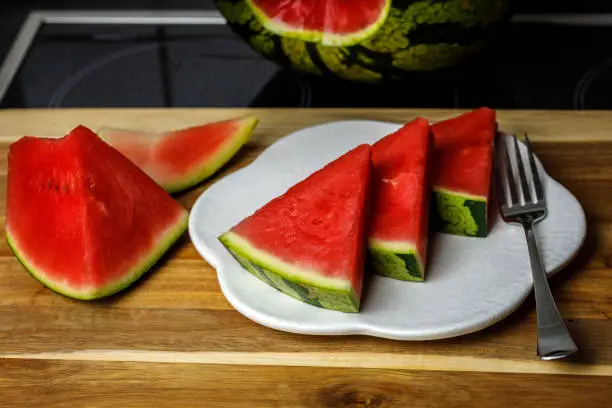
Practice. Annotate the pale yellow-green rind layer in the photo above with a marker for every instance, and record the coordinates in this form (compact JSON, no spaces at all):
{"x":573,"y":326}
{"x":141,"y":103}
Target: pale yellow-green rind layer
{"x":214,"y":163}
{"x":459,"y":213}
{"x":397,"y":260}
{"x":459,"y":194}
{"x":306,"y":286}
{"x":168,"y":239}
{"x":321,"y":37}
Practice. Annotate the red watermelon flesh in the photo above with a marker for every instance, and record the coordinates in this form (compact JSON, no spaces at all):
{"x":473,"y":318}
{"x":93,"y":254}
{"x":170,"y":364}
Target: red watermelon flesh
{"x":331,"y":22}
{"x":462,"y":172}
{"x":398,"y":231}
{"x":179,"y":159}
{"x":310,"y":241}
{"x":466,"y":170}
{"x":82,"y":218}
{"x":476,"y":127}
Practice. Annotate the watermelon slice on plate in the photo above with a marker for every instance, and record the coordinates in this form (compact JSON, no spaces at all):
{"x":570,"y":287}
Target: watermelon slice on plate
{"x":309,"y":243}
{"x":328,"y":22}
{"x":82,"y":218}
{"x":461,"y":177}
{"x":399,"y":222}
{"x":180,"y":159}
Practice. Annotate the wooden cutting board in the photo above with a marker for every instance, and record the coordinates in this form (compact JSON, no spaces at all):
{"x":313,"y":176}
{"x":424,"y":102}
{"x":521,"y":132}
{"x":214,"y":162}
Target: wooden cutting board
{"x":173,"y":340}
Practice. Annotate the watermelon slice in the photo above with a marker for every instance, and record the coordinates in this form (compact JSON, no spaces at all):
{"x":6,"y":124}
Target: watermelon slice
{"x":82,"y":218}
{"x":180,"y":159}
{"x":310,"y":242}
{"x":399,"y":226}
{"x":328,"y":22}
{"x":462,"y":172}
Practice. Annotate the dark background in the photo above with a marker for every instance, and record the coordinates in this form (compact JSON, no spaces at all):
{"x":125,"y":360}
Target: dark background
{"x":13,"y":13}
{"x":532,"y":66}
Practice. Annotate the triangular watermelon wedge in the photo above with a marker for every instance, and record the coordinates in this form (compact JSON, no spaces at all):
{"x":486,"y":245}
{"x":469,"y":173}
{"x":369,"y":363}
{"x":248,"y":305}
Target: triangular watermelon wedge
{"x":400,"y":208}
{"x":180,"y":159}
{"x":462,"y":172}
{"x":310,"y":242}
{"x":82,"y":218}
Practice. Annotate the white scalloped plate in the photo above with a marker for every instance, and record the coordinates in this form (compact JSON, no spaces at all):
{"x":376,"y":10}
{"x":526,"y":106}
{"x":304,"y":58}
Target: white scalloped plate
{"x":470,"y":284}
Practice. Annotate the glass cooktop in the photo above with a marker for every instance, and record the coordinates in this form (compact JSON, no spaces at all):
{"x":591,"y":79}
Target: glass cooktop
{"x":192,"y":59}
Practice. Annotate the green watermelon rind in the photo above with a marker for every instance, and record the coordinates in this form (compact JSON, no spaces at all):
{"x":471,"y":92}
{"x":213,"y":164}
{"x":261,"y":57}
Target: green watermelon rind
{"x":214,"y":163}
{"x":397,"y":260}
{"x":320,"y":37}
{"x":168,"y":239}
{"x":306,"y":286}
{"x":459,"y":213}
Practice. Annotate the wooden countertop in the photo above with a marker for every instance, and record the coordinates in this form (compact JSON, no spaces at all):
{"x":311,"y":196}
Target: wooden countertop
{"x":173,"y":340}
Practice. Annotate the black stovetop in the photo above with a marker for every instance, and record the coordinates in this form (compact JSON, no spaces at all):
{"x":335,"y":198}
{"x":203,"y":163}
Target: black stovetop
{"x":531,"y":66}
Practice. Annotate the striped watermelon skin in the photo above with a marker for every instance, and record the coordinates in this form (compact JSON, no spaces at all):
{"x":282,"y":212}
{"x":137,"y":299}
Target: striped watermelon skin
{"x":421,"y":35}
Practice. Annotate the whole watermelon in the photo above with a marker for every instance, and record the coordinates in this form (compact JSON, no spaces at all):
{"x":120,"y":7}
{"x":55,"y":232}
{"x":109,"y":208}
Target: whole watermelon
{"x":365,"y":40}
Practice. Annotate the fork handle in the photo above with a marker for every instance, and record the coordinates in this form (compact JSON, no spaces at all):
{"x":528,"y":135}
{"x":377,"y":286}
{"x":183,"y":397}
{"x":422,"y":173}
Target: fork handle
{"x":554,"y":340}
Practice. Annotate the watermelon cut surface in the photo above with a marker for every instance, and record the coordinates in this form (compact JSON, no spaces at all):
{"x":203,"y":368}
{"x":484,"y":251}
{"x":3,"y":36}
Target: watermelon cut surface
{"x":400,"y":212}
{"x":82,"y":218}
{"x":310,"y":242}
{"x":462,"y":172}
{"x":328,"y":22}
{"x":180,"y":159}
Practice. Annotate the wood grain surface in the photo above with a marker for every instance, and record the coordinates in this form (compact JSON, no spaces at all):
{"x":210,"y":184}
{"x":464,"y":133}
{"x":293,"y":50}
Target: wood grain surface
{"x":173,"y":340}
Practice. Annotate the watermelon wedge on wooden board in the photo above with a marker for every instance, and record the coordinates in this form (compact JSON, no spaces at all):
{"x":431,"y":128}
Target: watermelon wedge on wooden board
{"x":400,"y":207}
{"x":82,"y":218}
{"x":462,"y":172}
{"x":310,"y":242}
{"x":180,"y":159}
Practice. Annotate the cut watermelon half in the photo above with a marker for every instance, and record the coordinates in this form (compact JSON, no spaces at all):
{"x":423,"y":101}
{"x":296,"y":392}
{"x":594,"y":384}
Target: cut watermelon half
{"x":82,"y":218}
{"x":399,"y":222}
{"x":310,"y":242}
{"x":462,"y":172}
{"x":328,"y":22}
{"x":180,"y":159}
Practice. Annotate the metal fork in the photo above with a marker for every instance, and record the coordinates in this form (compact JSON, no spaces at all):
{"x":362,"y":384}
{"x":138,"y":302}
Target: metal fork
{"x":519,"y":206}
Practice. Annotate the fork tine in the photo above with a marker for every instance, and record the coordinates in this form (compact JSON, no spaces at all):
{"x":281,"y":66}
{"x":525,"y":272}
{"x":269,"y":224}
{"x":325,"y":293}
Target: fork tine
{"x":510,"y":176}
{"x":499,"y":184}
{"x":521,"y":170}
{"x":537,"y":184}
